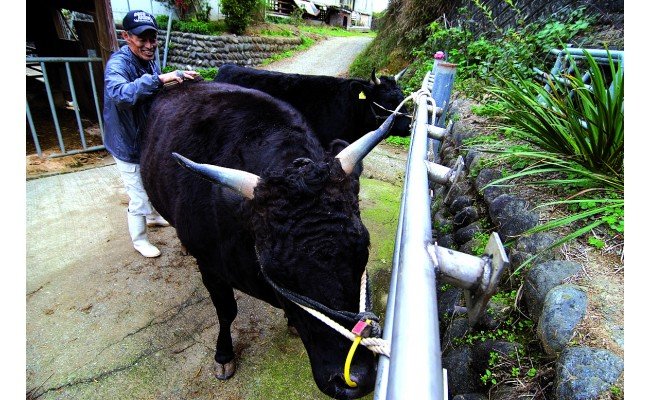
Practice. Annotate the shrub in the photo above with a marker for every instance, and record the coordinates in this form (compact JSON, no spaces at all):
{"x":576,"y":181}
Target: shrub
{"x":192,"y":25}
{"x":238,"y":14}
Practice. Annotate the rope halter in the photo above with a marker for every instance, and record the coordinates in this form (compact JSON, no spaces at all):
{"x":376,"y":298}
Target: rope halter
{"x":371,"y":332}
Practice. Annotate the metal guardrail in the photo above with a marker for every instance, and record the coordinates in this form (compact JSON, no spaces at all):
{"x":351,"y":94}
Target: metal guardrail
{"x":414,"y":369}
{"x":42,"y":62}
{"x":563,"y":66}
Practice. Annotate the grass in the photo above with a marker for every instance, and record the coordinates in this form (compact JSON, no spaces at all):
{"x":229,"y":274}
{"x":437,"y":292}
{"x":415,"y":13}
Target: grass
{"x":333,"y":31}
{"x":307,"y":42}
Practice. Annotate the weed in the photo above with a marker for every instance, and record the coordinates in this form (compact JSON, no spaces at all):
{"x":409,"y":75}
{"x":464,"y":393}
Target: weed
{"x":481,"y":239}
{"x":399,"y":141}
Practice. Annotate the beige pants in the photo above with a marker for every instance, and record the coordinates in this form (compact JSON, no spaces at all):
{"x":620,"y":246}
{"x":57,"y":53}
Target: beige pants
{"x":139,"y":204}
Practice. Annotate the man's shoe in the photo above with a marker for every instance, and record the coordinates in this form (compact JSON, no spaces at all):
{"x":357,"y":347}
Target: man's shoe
{"x":156,"y":220}
{"x":146,"y":249}
{"x":138,"y":232}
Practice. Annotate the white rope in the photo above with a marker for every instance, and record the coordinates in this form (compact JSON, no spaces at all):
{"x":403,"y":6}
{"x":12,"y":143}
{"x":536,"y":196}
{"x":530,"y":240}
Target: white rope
{"x":362,"y":296}
{"x":376,"y":345}
{"x":412,"y":96}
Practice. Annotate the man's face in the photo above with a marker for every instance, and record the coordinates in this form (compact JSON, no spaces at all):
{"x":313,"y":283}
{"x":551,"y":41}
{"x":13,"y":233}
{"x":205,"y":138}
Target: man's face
{"x":143,"y":45}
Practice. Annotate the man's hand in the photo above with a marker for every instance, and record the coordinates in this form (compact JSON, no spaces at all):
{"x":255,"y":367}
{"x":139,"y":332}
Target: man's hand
{"x":177,"y":76}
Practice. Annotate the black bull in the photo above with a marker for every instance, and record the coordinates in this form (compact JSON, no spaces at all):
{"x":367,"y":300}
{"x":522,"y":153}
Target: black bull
{"x":335,"y":108}
{"x":284,"y":206}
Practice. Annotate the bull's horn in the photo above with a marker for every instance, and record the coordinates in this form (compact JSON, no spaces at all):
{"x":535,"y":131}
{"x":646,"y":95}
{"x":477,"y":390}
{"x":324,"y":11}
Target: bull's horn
{"x":240,"y":181}
{"x":400,"y":74}
{"x":355,"y":152}
{"x":373,"y":78}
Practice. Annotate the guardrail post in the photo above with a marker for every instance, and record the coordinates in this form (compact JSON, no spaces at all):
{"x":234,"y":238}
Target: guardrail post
{"x":442,"y":84}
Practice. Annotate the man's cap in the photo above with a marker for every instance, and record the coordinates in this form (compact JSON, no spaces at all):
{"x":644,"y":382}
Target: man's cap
{"x":138,"y":21}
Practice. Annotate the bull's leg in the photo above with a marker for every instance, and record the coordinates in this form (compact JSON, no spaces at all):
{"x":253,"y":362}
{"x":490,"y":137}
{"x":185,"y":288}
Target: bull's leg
{"x":224,"y":301}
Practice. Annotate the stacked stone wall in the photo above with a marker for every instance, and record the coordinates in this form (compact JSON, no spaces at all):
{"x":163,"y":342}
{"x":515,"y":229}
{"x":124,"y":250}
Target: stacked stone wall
{"x":205,"y":51}
{"x":194,"y":51}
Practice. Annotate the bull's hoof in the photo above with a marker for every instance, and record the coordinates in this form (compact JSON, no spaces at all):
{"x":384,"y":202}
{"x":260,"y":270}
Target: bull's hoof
{"x":292,"y":330}
{"x":224,"y":371}
{"x":184,"y":251}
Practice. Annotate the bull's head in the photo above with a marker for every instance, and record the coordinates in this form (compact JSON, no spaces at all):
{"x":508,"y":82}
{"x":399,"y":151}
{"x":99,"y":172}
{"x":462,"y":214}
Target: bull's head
{"x":311,"y":244}
{"x":384,"y":96}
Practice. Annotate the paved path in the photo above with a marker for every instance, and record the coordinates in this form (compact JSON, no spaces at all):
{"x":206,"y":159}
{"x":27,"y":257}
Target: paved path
{"x":330,"y":57}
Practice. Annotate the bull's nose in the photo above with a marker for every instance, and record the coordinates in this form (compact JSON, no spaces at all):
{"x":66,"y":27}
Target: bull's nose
{"x":364,"y":385}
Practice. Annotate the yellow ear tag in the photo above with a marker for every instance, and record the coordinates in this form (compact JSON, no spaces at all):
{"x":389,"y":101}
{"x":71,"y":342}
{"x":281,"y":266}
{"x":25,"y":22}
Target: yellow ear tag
{"x":362,"y":96}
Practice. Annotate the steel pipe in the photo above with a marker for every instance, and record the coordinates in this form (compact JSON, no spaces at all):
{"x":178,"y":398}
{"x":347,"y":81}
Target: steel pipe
{"x":574,"y":51}
{"x":75,"y":105}
{"x":462,"y":270}
{"x":50,"y":99}
{"x":383,"y":366}
{"x":443,"y":175}
{"x":96,"y":98}
{"x":436,"y":132}
{"x":441,"y":92}
{"x":71,"y":152}
{"x":415,"y":340}
{"x":42,"y":61}
{"x":438,"y":173}
{"x":30,"y":120}
{"x":62,"y":59}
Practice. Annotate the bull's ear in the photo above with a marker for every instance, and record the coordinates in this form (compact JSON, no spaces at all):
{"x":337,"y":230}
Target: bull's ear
{"x":373,"y":78}
{"x":240,"y":181}
{"x":337,"y":145}
{"x":359,"y":91}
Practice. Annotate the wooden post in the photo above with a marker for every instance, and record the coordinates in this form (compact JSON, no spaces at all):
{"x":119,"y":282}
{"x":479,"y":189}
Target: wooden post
{"x":105,"y":29}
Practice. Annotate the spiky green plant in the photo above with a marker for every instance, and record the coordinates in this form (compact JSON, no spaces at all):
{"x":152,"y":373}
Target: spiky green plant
{"x":576,"y":135}
{"x":581,"y":121}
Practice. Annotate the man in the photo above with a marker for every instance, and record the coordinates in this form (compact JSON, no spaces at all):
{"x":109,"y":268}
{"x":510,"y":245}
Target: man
{"x":131,"y":80}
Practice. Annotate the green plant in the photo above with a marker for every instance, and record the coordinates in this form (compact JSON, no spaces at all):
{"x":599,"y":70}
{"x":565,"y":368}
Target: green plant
{"x":595,"y":242}
{"x":576,"y":132}
{"x":577,"y":120}
{"x":295,"y":17}
{"x":399,"y":141}
{"x":480,"y":59}
{"x":192,"y":25}
{"x":200,"y":9}
{"x":488,"y":378}
{"x":238,"y":14}
{"x":617,"y":392}
{"x":307,"y":42}
{"x":481,"y":239}
{"x":208,"y":73}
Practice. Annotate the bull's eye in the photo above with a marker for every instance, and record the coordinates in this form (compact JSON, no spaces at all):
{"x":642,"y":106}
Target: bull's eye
{"x":301,"y":162}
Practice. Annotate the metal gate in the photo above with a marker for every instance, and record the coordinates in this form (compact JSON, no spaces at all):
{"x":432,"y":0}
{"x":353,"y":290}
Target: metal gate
{"x":37,"y":67}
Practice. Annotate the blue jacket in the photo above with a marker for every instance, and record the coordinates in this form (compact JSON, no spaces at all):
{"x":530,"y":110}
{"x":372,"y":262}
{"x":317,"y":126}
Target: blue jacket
{"x":129,"y":86}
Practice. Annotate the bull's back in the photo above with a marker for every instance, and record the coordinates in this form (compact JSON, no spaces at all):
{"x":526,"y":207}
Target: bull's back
{"x":322,"y":100}
{"x":218,"y":124}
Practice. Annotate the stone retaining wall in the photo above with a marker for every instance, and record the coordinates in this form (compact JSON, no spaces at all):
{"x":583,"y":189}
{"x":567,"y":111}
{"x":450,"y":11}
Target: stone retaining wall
{"x":205,"y":51}
{"x":552,"y":300}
